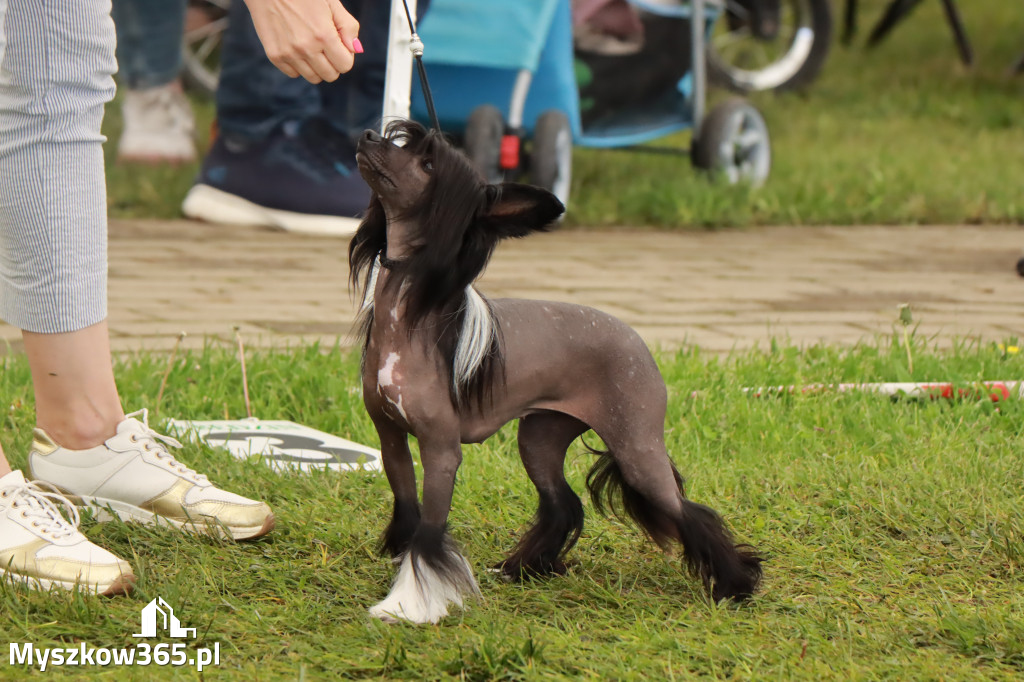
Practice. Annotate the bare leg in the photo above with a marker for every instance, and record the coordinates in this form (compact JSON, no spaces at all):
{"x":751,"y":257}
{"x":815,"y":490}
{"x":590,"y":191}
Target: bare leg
{"x":76,"y":397}
{"x":73,"y":379}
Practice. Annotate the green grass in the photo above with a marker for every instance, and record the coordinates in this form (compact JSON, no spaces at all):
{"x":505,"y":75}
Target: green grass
{"x":894,"y":530}
{"x":900,"y":134}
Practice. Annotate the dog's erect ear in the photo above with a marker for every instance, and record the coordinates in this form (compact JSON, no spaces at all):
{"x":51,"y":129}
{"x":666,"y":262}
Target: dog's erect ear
{"x":515,"y":210}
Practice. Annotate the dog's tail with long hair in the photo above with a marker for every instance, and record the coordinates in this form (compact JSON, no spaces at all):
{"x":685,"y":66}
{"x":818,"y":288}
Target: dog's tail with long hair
{"x":728,"y":570}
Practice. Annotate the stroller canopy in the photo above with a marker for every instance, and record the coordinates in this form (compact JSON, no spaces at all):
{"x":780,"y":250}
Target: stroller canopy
{"x":503,"y":34}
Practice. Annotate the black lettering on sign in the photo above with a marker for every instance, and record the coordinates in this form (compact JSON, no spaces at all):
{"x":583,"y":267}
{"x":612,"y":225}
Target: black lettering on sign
{"x":288,"y":442}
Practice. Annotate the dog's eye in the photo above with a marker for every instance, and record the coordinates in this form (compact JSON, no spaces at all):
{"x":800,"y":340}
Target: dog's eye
{"x":428,"y":165}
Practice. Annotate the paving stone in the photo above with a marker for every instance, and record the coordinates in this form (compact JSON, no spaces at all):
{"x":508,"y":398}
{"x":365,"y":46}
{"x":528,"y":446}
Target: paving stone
{"x":800,"y":334}
{"x":171,"y":330}
{"x":11,"y":344}
{"x":719,"y":290}
{"x":670,"y":337}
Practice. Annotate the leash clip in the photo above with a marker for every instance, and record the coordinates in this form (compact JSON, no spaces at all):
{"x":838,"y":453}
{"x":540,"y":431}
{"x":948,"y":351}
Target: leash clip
{"x":416,"y":46}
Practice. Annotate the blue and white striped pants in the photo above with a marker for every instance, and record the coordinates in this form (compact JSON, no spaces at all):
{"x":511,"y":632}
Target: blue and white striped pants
{"x":56,"y":74}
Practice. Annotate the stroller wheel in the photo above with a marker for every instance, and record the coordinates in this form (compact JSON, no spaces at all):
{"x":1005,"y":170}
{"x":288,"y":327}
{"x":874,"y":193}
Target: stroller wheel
{"x":551,"y":159}
{"x":770,"y":44}
{"x":484,"y":130}
{"x":205,"y":23}
{"x":734,"y":142}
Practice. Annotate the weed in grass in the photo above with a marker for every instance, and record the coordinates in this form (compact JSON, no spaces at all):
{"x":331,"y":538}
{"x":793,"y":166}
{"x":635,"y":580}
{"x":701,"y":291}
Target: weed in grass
{"x":494,"y":657}
{"x":906,"y":319}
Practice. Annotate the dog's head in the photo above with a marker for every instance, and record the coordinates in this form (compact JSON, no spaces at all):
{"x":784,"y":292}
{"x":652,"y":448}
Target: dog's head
{"x":411,"y":169}
{"x":456,"y":217}
{"x":398,"y":175}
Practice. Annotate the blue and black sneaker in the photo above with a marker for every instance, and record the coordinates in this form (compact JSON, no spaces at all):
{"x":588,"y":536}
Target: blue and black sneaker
{"x":301,"y":178}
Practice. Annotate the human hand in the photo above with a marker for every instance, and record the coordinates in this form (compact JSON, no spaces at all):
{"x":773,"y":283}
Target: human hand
{"x":315,"y":39}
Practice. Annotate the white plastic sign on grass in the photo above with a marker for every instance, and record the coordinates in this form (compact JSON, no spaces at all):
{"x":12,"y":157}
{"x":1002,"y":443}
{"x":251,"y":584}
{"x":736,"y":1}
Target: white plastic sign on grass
{"x":281,"y":444}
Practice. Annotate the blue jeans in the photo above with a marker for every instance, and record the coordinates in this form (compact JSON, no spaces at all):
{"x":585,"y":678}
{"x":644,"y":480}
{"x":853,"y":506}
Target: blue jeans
{"x":149,"y":34}
{"x":254,"y":97}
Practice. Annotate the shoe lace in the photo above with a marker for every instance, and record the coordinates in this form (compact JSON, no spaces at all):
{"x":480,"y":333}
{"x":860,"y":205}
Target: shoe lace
{"x":158,"y":444}
{"x":43,"y":507}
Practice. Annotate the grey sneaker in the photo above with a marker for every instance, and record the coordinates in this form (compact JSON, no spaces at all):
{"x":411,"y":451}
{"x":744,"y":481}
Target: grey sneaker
{"x":158,"y":126}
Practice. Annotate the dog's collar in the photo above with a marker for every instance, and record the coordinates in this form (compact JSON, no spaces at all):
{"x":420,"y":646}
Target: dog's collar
{"x":388,"y":263}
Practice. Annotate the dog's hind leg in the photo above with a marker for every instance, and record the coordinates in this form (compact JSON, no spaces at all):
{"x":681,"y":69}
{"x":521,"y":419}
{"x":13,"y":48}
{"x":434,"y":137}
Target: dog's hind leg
{"x":543,"y":440}
{"x":651,"y":493}
{"x":433,"y":573}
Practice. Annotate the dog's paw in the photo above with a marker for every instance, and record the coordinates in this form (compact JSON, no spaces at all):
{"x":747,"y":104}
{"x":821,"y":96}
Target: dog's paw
{"x":514,"y":571}
{"x":421,"y":594}
{"x":393,"y":611}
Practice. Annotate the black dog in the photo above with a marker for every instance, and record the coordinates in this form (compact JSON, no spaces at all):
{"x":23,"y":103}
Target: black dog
{"x":444,"y":364}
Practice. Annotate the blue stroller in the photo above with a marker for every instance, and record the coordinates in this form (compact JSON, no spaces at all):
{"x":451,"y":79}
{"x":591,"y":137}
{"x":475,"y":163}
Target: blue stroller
{"x":505,"y":72}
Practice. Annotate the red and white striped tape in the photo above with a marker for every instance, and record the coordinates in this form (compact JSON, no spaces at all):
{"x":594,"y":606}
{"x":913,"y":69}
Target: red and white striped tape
{"x":995,"y":390}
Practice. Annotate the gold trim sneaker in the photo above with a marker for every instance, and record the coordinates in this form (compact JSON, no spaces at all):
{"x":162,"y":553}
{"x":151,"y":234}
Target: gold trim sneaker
{"x":40,"y":548}
{"x":134,"y":477}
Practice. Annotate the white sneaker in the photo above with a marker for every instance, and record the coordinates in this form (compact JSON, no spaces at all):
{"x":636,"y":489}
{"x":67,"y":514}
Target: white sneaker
{"x":133,"y":477}
{"x":158,"y":126}
{"x":40,"y":548}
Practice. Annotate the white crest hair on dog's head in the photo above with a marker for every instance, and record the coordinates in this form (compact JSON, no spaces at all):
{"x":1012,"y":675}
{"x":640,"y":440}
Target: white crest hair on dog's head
{"x":476,"y":339}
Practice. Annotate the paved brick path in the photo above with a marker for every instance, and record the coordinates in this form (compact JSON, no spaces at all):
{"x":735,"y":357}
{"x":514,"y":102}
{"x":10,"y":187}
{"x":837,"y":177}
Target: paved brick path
{"x":718,"y":290}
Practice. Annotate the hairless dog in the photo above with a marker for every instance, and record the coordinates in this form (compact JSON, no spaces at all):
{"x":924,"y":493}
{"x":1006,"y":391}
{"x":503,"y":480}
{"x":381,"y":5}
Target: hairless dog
{"x":448,"y":366}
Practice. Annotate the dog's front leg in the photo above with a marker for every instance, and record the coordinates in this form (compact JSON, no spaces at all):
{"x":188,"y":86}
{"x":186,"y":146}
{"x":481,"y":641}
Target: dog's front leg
{"x":433,"y":573}
{"x":398,"y":466}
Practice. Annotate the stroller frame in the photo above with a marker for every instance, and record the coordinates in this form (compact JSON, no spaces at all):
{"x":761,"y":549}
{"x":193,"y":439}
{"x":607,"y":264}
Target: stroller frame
{"x":532,"y":94}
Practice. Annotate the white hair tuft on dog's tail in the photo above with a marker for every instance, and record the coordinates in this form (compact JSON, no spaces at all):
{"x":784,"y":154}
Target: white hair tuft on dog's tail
{"x":475,"y":339}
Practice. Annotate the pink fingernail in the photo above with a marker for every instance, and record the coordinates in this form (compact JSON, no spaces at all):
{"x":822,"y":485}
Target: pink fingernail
{"x":357,"y":46}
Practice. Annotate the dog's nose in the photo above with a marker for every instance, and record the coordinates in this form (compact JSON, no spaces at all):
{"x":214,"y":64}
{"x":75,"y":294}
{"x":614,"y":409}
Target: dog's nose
{"x":371,"y":136}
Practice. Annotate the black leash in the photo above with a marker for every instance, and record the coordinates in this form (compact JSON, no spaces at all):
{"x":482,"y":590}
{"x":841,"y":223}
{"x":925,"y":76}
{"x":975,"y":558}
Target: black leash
{"x":416,"y":47}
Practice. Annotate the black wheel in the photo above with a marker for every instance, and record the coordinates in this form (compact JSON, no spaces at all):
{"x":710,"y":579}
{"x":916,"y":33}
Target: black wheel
{"x":205,"y":23}
{"x":770,"y":44}
{"x":734,"y":143}
{"x":484,"y":130}
{"x":1020,"y":267}
{"x":551,"y":156}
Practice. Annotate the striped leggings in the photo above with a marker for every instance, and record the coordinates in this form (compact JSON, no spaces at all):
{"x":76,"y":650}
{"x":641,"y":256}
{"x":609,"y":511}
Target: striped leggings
{"x":56,"y":74}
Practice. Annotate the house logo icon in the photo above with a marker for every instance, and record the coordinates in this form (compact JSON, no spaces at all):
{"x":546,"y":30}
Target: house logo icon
{"x":159,"y":612}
